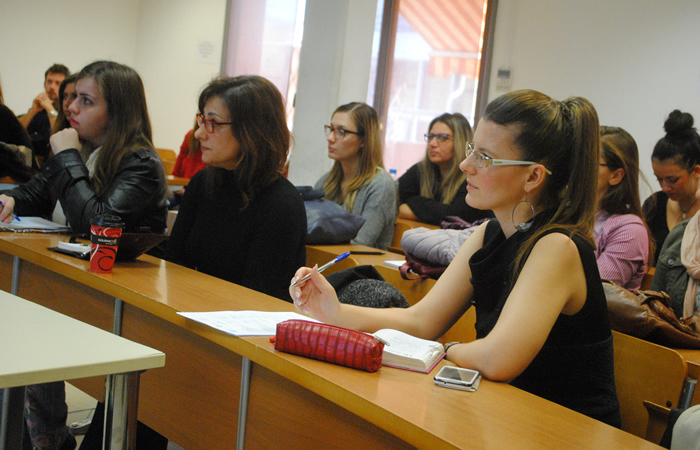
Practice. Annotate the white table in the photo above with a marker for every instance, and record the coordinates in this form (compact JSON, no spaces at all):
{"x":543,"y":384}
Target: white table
{"x":38,"y":345}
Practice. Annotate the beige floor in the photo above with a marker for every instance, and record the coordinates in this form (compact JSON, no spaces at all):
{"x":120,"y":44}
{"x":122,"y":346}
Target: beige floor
{"x":82,"y":406}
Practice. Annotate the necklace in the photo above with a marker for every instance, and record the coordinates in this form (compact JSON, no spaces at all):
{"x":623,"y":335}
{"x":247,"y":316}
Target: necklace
{"x":684,"y":212}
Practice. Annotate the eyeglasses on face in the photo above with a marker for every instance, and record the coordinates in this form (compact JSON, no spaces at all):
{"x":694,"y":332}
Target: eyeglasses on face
{"x":440,"y":137}
{"x":339,"y":132}
{"x":482,"y":161}
{"x":210,"y":125}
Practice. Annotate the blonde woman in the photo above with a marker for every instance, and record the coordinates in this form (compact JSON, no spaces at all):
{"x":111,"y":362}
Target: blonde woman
{"x":358,"y":180}
{"x":435,"y":187}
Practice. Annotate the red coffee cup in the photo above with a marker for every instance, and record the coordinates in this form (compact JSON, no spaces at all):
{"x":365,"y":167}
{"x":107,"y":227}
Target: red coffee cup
{"x":105,"y":232}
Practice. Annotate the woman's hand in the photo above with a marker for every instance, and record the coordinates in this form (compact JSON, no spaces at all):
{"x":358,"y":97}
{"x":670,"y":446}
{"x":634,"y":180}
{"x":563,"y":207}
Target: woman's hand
{"x":315,"y":296}
{"x":65,"y":139}
{"x":8,"y":204}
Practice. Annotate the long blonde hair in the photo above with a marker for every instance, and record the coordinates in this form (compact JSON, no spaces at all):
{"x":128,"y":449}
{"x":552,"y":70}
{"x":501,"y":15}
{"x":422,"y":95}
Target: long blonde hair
{"x":446,"y":189}
{"x":370,"y":154}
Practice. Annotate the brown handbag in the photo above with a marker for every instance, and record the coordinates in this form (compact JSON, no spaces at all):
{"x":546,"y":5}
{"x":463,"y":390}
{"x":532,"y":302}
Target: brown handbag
{"x":329,"y":343}
{"x":647,"y":315}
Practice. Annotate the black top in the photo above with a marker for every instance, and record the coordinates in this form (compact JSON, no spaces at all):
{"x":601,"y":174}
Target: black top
{"x":259,"y":247}
{"x":137,"y":193}
{"x":11,"y":131}
{"x":575,"y":367}
{"x":655,"y":214}
{"x":39,"y":130}
{"x":433,"y":211}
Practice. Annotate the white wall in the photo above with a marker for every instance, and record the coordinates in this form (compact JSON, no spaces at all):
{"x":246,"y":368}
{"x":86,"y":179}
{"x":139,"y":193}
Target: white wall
{"x":334,"y":69}
{"x":158,"y":38}
{"x":635,"y":60}
{"x":34,"y":34}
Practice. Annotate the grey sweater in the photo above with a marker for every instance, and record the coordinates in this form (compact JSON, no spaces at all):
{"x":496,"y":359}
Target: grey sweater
{"x":376,"y":202}
{"x":671,"y":275}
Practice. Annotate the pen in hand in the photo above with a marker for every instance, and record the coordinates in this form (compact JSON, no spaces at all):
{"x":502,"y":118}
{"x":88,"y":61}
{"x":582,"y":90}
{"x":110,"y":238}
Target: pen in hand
{"x":324,"y":267}
{"x":14,"y":217}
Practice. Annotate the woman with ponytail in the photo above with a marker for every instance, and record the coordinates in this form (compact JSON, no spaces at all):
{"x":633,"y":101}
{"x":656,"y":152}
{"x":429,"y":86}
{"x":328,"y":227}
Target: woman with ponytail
{"x":541,"y":315}
{"x":676,"y":164}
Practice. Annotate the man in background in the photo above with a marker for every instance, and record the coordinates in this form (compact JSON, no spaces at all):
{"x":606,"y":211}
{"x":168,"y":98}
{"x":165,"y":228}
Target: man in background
{"x":41,"y":116}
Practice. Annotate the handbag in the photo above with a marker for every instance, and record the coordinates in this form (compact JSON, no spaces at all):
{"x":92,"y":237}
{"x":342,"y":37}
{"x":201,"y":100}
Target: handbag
{"x":327,"y":222}
{"x":647,"y":315}
{"x":329,"y":343}
{"x":415,"y":268}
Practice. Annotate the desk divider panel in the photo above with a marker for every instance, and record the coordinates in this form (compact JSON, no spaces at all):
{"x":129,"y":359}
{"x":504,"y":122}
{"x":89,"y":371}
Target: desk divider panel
{"x":201,"y":381}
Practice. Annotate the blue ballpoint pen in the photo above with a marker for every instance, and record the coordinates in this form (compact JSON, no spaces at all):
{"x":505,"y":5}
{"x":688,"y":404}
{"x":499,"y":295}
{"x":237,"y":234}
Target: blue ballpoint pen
{"x":14,"y":217}
{"x":324,"y":267}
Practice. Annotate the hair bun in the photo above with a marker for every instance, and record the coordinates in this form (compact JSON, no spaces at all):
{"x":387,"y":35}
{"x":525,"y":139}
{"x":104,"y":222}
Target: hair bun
{"x":678,"y":123}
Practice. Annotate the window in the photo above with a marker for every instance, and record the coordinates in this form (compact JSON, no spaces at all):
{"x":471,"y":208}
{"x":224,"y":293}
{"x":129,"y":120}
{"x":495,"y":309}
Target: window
{"x":427,"y":60}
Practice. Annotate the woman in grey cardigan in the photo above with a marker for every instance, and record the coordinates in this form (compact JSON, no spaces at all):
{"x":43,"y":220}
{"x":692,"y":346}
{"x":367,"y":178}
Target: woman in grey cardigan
{"x":357,"y":179}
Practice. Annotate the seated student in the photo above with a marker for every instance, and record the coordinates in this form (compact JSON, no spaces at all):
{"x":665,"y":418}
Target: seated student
{"x":240,"y":220}
{"x":435,"y":187}
{"x":122,"y":176}
{"x":11,"y":130}
{"x":357,"y":180}
{"x":66,"y":96}
{"x":541,"y":315}
{"x":189,"y":160}
{"x":676,"y":164}
{"x":621,"y":236}
{"x":678,"y":268}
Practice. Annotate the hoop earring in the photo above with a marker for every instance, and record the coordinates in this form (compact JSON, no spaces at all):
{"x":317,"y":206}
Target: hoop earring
{"x":523,"y":226}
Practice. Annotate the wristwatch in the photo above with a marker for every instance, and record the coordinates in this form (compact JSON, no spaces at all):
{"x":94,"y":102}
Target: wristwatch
{"x":53,"y":113}
{"x":450,"y":344}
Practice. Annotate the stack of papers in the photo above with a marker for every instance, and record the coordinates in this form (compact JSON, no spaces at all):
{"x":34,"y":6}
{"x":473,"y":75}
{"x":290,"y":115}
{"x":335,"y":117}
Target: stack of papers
{"x":31,"y":224}
{"x":244,"y":323}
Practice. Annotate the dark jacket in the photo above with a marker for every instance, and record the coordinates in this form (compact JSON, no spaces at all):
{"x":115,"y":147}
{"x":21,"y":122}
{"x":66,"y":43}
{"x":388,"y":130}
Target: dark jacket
{"x":137,"y":193}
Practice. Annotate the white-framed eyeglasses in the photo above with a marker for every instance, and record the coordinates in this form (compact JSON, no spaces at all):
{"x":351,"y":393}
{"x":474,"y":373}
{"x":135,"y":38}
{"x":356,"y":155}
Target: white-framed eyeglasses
{"x":482,"y":161}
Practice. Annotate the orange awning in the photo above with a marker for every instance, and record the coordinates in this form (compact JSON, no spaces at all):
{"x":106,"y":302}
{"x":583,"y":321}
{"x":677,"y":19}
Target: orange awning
{"x":452,"y":28}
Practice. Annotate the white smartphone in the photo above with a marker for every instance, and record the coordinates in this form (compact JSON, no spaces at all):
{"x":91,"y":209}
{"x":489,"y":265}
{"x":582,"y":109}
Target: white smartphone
{"x":458,"y":378}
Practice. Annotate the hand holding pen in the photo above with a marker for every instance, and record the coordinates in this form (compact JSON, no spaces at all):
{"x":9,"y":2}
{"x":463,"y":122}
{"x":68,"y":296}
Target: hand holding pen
{"x":315,"y":297}
{"x":7,"y":204}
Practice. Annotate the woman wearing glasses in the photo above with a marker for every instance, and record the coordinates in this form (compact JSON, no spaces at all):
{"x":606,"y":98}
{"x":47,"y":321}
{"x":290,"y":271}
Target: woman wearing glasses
{"x":622,"y":238}
{"x":357,"y":179}
{"x":435,"y":187}
{"x":541,"y":315}
{"x":240,"y":220}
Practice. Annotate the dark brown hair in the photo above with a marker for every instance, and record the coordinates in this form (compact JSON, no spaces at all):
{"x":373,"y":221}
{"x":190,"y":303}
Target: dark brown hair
{"x":258,"y":123}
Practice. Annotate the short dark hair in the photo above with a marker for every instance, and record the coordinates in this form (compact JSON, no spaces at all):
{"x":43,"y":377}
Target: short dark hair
{"x":57,"y":68}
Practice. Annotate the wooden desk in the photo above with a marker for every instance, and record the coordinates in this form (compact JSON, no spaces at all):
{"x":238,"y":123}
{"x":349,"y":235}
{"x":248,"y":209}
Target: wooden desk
{"x":321,"y":254}
{"x":692,"y":357}
{"x":42,"y":346}
{"x":293,"y":402}
{"x":172,"y":180}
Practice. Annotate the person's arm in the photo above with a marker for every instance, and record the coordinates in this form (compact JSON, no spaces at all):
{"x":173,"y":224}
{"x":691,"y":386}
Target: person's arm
{"x":626,"y":250}
{"x":277,"y":245}
{"x":430,"y":318}
{"x":378,"y":208}
{"x":33,"y":198}
{"x":178,"y":171}
{"x":42,"y":101}
{"x":186,"y":215}
{"x":432,"y":211}
{"x":551,"y":282}
{"x":137,"y":191}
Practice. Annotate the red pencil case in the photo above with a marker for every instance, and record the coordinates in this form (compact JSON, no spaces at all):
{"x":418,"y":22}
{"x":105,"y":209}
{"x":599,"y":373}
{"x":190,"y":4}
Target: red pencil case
{"x":329,"y":343}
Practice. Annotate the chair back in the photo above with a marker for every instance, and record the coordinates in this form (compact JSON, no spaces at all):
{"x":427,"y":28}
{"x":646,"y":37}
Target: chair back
{"x":168,"y":158}
{"x":645,"y":372}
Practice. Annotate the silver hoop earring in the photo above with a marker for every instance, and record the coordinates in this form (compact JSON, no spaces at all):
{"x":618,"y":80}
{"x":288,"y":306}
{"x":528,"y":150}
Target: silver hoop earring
{"x":523,"y":226}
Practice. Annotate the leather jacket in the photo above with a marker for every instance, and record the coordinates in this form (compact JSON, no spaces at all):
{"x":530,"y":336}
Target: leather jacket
{"x":137,"y":193}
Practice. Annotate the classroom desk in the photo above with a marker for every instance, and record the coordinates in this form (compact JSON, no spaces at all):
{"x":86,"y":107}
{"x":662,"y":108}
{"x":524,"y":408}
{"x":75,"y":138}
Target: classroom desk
{"x":321,"y":254}
{"x":42,"y":346}
{"x":172,"y":180}
{"x":692,"y":357}
{"x":293,"y":402}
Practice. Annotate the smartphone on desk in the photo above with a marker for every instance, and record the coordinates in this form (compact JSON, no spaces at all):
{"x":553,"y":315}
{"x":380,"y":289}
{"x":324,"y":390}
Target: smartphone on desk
{"x":458,"y":378}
